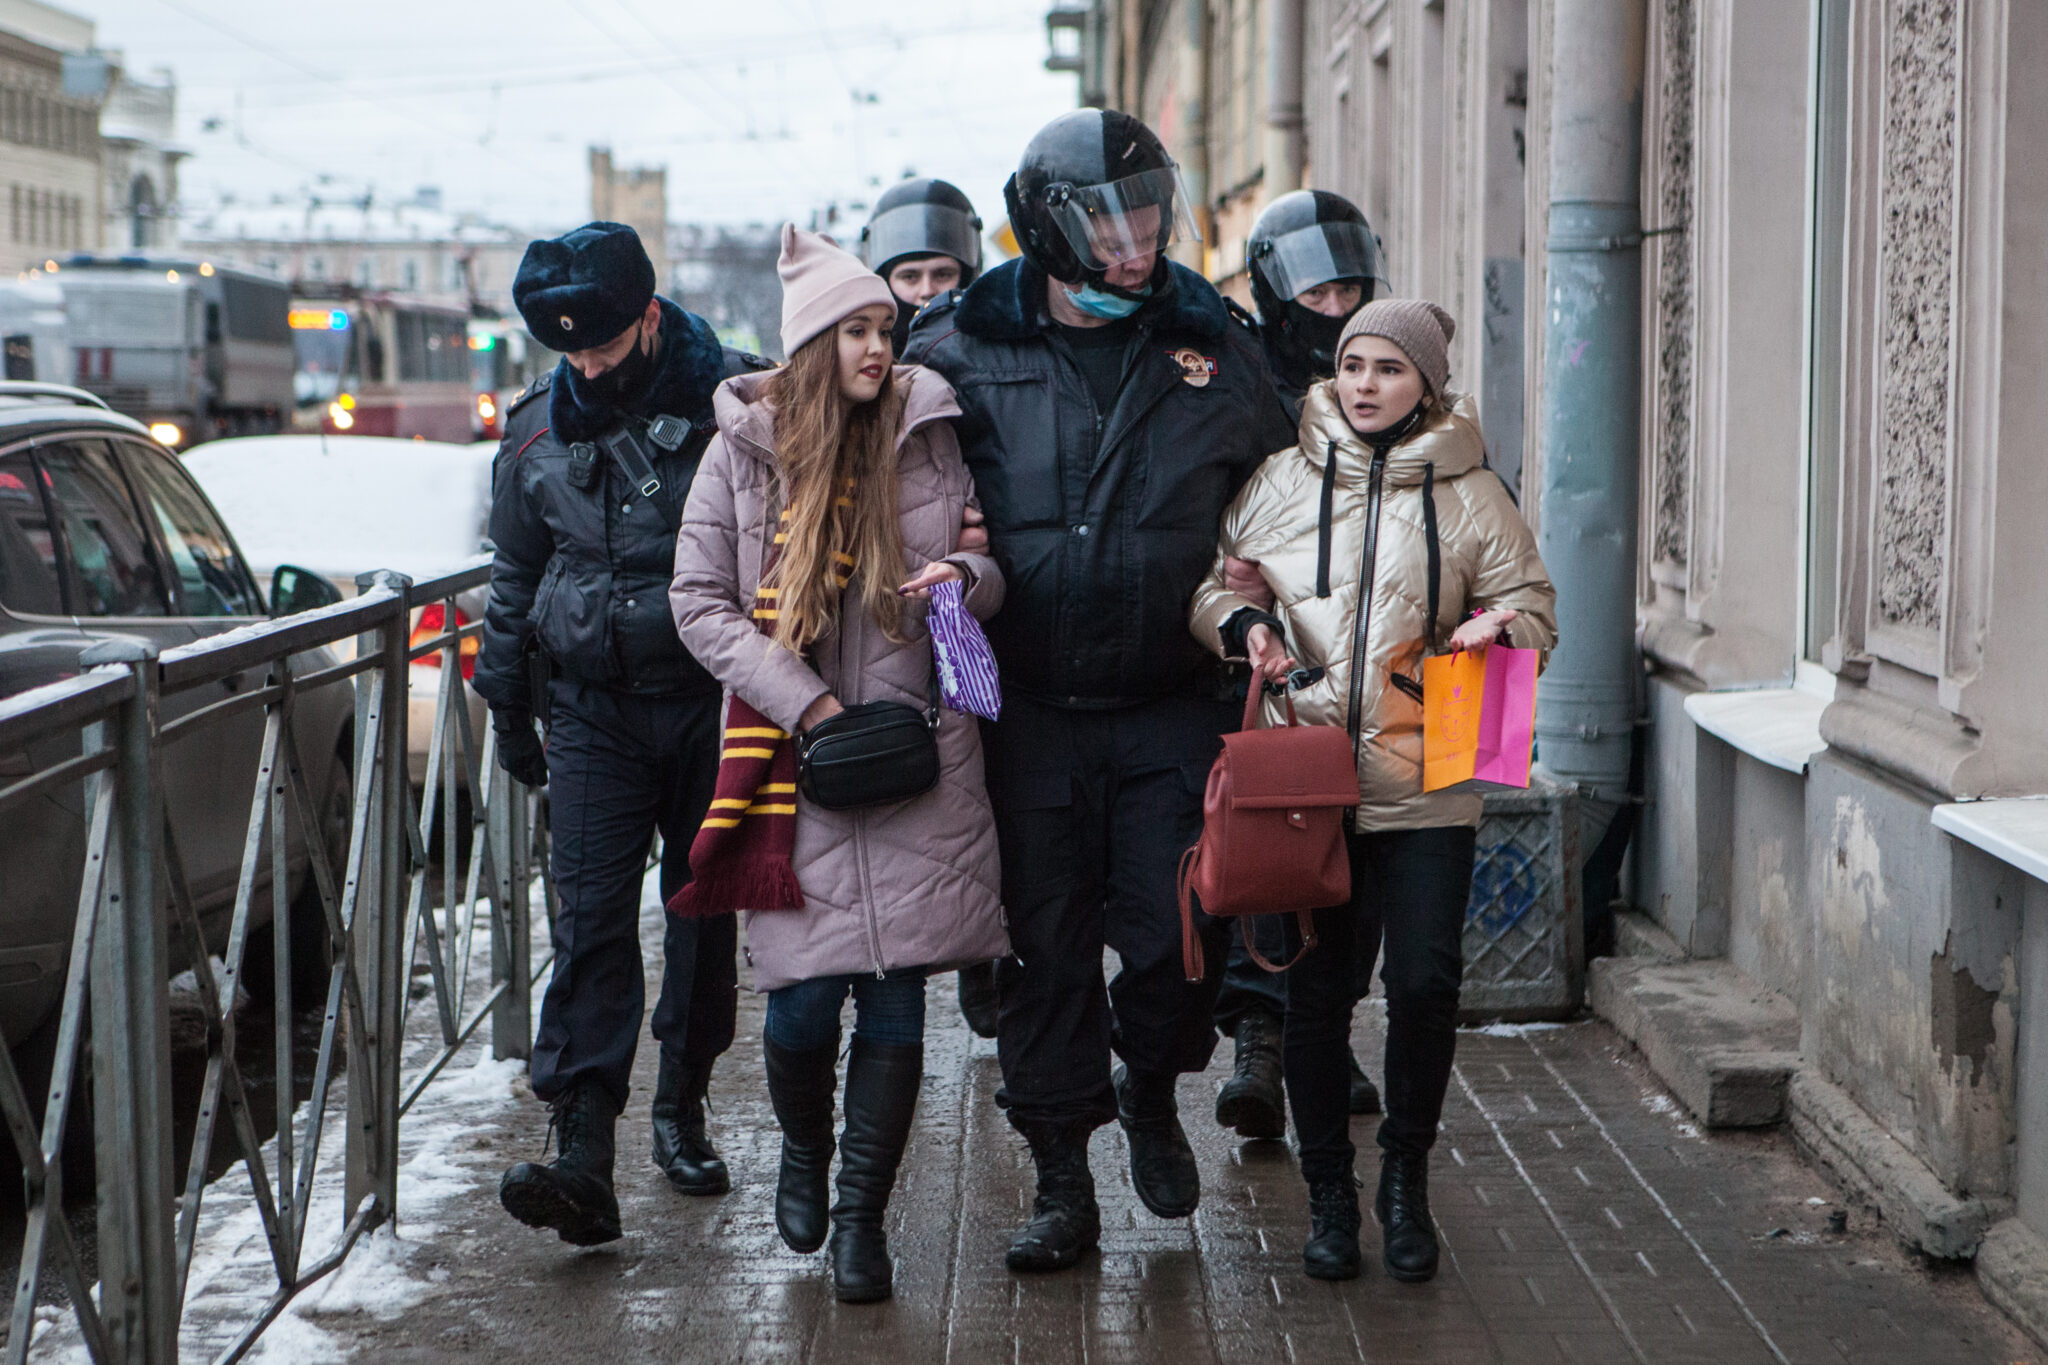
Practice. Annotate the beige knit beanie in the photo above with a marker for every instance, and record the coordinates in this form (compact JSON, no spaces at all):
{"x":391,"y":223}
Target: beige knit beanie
{"x":1417,"y":326}
{"x":821,"y":284}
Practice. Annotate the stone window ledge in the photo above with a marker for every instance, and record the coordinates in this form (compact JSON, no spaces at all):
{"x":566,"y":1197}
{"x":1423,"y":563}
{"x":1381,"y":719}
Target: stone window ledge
{"x":1775,"y":725}
{"x":2012,"y":829}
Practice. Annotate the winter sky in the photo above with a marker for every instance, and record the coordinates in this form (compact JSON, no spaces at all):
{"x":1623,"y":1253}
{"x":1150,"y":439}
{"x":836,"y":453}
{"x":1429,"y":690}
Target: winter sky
{"x":762,"y":110}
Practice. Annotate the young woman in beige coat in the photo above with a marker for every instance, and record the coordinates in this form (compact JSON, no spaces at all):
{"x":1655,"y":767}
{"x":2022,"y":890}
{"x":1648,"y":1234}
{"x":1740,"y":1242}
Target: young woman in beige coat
{"x":1387,"y":489}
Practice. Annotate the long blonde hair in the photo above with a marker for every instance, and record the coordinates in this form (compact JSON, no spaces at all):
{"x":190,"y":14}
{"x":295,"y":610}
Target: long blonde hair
{"x":835,"y":472}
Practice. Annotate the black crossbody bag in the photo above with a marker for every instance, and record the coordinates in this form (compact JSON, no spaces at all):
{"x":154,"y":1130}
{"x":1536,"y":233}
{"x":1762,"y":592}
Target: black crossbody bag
{"x":875,"y":754}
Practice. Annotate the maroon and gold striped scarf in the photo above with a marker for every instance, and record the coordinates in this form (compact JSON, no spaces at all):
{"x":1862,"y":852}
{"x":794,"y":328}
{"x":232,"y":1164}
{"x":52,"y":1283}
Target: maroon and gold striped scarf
{"x":740,"y":859}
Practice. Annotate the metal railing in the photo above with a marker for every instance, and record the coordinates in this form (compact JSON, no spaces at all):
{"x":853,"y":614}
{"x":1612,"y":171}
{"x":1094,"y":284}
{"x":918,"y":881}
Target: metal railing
{"x":378,"y":912}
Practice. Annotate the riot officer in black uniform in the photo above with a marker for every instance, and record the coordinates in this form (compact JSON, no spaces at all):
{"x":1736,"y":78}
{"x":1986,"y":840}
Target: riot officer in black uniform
{"x":925,"y":240}
{"x":1314,"y":260}
{"x":1111,"y":410}
{"x":588,"y":491}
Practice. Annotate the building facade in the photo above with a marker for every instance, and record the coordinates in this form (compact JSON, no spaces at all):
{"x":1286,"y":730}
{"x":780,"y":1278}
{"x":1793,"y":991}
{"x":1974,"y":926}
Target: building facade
{"x":636,"y":196}
{"x":51,"y":87}
{"x":139,"y":159}
{"x":1844,"y":818}
{"x":414,"y":246}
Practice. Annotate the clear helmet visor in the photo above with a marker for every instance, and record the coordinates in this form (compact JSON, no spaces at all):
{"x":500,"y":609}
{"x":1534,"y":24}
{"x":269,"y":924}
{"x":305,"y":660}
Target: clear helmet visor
{"x":1125,"y":220}
{"x":921,"y":230}
{"x":1296,"y":262}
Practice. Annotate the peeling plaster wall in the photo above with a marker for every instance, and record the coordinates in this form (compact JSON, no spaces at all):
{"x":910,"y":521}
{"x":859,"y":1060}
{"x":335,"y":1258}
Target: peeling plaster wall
{"x":1914,"y":996}
{"x":1681,"y":853}
{"x":1768,"y":927}
{"x":2030,"y":1173}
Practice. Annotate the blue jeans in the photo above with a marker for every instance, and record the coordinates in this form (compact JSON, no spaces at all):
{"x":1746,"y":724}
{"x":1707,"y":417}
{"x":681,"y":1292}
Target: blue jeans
{"x":886,"y":1009}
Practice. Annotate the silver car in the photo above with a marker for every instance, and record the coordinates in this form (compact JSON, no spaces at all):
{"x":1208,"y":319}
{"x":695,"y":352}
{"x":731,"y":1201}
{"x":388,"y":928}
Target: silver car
{"x":104,"y":535}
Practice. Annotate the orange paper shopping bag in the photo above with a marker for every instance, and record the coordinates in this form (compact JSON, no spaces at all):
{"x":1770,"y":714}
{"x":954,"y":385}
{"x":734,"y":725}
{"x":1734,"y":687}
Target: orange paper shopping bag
{"x":1478,"y":717}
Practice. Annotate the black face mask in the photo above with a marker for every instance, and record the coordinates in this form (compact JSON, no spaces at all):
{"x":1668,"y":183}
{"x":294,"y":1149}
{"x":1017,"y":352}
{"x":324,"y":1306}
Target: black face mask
{"x":625,"y":382}
{"x":1308,"y":343}
{"x":899,"y":335}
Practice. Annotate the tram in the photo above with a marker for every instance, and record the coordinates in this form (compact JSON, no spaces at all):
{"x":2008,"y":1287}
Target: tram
{"x":382,"y":365}
{"x":503,"y":361}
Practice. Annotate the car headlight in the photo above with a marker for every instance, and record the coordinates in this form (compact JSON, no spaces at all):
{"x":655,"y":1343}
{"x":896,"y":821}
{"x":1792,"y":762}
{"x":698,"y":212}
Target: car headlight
{"x":166,"y":433}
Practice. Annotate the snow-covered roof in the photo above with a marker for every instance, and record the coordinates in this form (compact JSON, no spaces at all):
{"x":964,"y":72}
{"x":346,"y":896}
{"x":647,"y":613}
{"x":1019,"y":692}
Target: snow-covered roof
{"x":342,"y":222}
{"x":343,"y":505}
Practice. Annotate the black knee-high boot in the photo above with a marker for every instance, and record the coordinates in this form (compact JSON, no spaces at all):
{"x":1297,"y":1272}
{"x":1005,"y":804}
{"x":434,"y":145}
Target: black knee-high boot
{"x":882,"y":1081}
{"x":800,"y":1086}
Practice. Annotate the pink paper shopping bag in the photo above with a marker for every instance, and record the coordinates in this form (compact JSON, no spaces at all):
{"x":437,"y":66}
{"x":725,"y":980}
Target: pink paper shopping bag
{"x":1478,"y":717}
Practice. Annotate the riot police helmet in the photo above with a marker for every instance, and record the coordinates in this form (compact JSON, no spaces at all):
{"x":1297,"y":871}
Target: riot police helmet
{"x":1304,"y":239}
{"x":1095,"y":188}
{"x":922,"y":217}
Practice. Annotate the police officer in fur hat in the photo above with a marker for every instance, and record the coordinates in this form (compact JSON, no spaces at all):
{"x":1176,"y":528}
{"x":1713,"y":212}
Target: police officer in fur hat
{"x":588,"y":491}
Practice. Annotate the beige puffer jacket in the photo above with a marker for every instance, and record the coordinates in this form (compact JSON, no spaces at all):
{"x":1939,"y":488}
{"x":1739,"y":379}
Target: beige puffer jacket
{"x":1488,"y":560}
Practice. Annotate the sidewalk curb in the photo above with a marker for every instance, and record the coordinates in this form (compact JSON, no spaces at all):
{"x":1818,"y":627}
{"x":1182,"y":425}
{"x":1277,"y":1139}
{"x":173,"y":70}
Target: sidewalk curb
{"x":1834,"y":1133}
{"x":1724,"y":1045}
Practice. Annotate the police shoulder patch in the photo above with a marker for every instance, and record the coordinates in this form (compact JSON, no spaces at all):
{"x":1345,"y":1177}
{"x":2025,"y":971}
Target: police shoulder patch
{"x":531,"y":392}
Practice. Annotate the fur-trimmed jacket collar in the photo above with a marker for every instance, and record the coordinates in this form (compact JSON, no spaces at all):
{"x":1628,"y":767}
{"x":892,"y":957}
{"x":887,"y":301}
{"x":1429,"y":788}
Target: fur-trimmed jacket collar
{"x":1008,"y":304}
{"x":689,"y":370}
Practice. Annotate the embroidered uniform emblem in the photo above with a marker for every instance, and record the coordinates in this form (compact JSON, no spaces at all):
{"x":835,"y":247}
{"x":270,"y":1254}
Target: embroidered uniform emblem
{"x":1196,"y":369}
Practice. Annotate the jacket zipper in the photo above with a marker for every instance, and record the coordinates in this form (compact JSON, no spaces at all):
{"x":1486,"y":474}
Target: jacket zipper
{"x":860,"y":831}
{"x":1368,"y":567}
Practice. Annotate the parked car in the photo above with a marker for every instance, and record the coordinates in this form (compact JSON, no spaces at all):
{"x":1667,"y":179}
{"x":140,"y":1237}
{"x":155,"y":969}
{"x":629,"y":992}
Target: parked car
{"x":345,"y":505}
{"x":104,"y":535}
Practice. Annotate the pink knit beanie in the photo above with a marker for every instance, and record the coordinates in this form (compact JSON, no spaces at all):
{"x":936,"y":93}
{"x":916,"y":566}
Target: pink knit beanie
{"x":821,"y":284}
{"x":1417,"y":326}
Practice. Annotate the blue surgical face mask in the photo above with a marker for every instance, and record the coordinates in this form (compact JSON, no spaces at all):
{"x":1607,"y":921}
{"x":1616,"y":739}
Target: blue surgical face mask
{"x":1102,"y":304}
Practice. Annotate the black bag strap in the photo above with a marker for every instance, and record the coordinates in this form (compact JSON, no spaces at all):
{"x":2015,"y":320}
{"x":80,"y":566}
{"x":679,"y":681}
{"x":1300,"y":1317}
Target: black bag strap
{"x":1436,"y":567}
{"x":670,"y":434}
{"x":1324,"y":516}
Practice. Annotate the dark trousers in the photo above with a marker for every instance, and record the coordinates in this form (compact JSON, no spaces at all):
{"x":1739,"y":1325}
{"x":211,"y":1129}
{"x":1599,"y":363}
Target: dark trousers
{"x":1408,"y":889}
{"x":1093,"y":810}
{"x":1249,"y":988}
{"x":621,"y":766}
{"x":886,"y":1009}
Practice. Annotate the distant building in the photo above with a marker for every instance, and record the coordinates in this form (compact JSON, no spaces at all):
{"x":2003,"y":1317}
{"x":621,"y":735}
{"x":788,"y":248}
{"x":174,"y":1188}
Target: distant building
{"x":727,"y":277}
{"x":415,"y":246}
{"x":139,"y":163}
{"x":637,"y":197}
{"x":51,"y":87}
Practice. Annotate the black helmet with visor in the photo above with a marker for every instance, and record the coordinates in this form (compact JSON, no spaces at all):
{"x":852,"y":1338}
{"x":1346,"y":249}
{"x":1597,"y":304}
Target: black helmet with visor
{"x":1303,"y":239}
{"x":1093,"y":190}
{"x":922,"y":217}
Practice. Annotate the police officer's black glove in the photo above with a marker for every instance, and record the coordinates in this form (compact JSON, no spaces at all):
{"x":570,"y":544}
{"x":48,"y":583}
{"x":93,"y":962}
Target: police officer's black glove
{"x":520,"y":752}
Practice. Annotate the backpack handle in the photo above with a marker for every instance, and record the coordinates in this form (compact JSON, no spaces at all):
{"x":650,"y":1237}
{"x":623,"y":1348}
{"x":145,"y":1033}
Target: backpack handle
{"x":1251,"y":704}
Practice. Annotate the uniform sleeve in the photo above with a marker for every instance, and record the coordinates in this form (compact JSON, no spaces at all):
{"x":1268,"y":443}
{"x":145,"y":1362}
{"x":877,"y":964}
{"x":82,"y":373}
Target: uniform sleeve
{"x":524,"y":547}
{"x":715,"y":625}
{"x":1215,"y":605}
{"x":984,"y":594}
{"x":1510,"y":573}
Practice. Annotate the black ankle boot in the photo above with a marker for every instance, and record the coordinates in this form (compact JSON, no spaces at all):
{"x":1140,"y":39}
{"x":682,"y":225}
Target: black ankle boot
{"x":1065,"y":1222}
{"x":681,"y":1148}
{"x":1163,"y":1167}
{"x":800,"y":1086}
{"x":978,"y":999}
{"x":1407,"y":1234}
{"x":573,"y":1195}
{"x":1365,"y":1096}
{"x":1253,"y":1101}
{"x":882,"y":1081}
{"x":1332,"y":1249}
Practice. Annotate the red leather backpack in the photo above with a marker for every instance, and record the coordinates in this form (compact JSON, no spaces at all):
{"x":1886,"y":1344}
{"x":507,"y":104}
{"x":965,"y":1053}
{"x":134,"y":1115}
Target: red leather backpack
{"x":1272,"y":830}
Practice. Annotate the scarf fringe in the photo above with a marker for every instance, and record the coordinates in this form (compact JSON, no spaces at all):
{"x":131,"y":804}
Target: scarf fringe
{"x":764,"y":885}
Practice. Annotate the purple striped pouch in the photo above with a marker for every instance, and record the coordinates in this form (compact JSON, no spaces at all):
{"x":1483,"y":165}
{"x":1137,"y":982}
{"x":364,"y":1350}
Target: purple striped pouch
{"x":967,"y":666}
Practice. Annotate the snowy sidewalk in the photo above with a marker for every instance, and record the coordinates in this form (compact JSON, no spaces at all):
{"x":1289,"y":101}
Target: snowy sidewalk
{"x":1583,"y":1218}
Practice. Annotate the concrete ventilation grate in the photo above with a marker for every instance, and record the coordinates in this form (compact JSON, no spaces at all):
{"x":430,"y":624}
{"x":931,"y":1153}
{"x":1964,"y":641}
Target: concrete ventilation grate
{"x":1525,"y":954}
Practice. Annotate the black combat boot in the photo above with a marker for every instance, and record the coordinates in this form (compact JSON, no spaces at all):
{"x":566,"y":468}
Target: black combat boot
{"x":1332,"y":1249}
{"x":1253,"y":1100}
{"x":1407,"y":1234}
{"x":1162,"y":1164}
{"x":978,"y":999}
{"x":800,"y":1086}
{"x":681,"y":1149}
{"x":882,"y":1081}
{"x":1365,"y":1096}
{"x":1065,"y":1222}
{"x":573,"y":1195}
